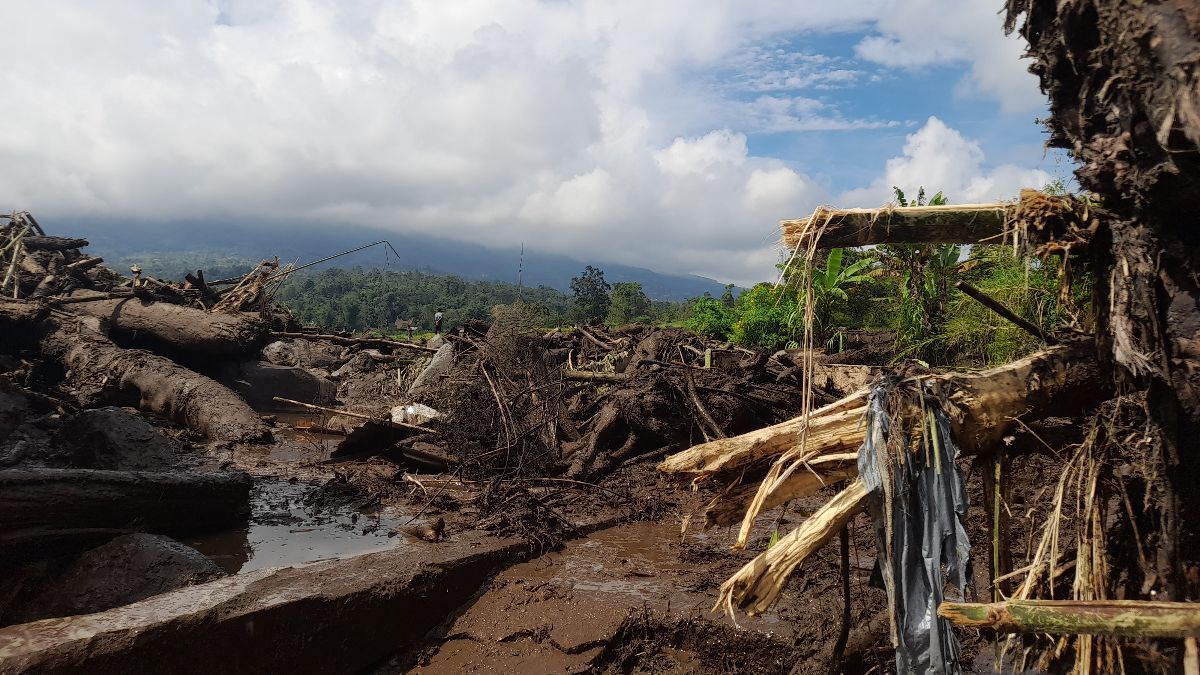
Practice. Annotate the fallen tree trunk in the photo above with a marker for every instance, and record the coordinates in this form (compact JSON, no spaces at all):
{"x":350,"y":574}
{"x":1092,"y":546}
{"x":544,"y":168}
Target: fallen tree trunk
{"x":178,"y":327}
{"x":47,"y":512}
{"x":45,"y":243}
{"x":981,"y":406}
{"x":100,"y":368}
{"x":760,"y":581}
{"x":342,"y":615}
{"x":1123,"y":618}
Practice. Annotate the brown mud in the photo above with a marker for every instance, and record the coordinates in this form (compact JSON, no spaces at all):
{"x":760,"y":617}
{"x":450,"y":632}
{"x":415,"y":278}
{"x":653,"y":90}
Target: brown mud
{"x":489,"y":502}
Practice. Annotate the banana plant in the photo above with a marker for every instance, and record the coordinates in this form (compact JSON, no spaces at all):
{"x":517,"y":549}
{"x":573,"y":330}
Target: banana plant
{"x":830,"y":283}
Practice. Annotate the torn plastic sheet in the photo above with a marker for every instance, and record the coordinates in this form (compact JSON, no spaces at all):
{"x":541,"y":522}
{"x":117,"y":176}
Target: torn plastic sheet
{"x":918,"y":501}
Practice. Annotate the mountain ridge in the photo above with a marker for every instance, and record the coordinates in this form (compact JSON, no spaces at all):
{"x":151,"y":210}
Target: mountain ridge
{"x":194,"y":239}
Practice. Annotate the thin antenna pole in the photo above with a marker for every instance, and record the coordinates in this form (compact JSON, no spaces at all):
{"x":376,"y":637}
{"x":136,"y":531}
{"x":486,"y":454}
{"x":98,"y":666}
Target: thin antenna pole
{"x":520,"y":274}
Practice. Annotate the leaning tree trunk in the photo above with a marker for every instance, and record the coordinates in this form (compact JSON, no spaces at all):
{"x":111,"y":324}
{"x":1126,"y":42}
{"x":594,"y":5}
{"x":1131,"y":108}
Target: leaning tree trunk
{"x":1124,"y":90}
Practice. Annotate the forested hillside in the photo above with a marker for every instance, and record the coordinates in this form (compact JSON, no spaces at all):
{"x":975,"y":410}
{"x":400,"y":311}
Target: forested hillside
{"x":357,"y":299}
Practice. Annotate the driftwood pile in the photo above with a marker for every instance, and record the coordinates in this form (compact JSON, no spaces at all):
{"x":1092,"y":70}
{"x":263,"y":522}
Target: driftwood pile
{"x":583,"y":402}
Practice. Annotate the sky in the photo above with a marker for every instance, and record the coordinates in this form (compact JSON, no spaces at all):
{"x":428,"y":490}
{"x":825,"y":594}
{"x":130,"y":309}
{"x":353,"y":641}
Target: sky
{"x":671,"y":134}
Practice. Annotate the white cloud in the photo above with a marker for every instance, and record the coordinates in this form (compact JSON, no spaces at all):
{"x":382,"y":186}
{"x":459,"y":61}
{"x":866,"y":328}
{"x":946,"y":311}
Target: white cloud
{"x":939,"y":158}
{"x":917,"y":33}
{"x":575,"y":124}
{"x":698,"y":156}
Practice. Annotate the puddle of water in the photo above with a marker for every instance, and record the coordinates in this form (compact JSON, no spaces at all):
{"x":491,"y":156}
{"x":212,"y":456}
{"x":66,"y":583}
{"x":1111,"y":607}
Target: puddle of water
{"x":296,"y":441}
{"x":284,"y":531}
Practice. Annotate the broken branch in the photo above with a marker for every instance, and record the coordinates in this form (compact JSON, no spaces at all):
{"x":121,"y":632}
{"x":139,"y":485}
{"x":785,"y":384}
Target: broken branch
{"x":348,"y":413}
{"x":352,"y":342}
{"x":1123,"y":618}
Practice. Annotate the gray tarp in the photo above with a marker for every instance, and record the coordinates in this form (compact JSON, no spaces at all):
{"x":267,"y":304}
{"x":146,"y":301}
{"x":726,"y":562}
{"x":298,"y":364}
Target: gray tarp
{"x":918,"y":501}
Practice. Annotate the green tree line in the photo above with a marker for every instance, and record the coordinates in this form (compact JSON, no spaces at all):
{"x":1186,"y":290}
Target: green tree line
{"x":356,"y":299}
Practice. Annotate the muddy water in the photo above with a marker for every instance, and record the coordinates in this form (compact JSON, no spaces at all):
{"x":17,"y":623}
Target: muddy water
{"x":296,"y":443}
{"x":565,"y":611}
{"x":284,"y":531}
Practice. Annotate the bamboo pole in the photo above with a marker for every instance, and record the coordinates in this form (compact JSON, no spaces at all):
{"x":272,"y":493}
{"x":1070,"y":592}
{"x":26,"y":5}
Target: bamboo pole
{"x":347,"y":413}
{"x":1121,"y":618}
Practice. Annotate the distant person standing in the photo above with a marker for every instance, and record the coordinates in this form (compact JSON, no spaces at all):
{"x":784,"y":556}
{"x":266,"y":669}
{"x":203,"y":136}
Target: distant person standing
{"x":437,"y":322}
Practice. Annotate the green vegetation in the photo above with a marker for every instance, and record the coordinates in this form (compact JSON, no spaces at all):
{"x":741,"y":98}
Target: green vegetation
{"x":591,"y":296}
{"x":908,"y":290}
{"x":357,"y":299}
{"x":629,"y":304}
{"x":372,"y":300}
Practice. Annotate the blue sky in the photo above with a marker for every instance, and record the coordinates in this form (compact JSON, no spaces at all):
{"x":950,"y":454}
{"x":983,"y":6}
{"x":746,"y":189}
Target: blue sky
{"x":672,"y":135}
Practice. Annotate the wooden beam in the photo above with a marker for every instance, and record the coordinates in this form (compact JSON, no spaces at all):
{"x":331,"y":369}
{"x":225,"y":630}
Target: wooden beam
{"x":1122,"y":618}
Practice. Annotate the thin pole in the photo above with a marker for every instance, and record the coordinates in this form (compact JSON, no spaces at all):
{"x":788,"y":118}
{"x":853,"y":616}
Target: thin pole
{"x":1006,"y":313}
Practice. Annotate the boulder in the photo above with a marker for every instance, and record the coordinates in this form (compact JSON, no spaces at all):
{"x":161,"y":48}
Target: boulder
{"x":304,"y":354}
{"x":260,"y":382}
{"x":127,"y":569}
{"x":118,"y":439}
{"x":440,"y":365}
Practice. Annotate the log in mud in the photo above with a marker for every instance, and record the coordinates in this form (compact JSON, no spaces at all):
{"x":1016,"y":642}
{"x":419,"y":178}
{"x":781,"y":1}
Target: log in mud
{"x":100,"y":369}
{"x":179,"y":328}
{"x":47,"y":512}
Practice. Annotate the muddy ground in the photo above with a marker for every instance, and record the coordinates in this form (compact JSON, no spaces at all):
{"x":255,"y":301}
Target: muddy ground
{"x":492,"y":496}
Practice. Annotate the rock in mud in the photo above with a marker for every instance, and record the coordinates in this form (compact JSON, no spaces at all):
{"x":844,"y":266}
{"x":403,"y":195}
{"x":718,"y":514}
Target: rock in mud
{"x":305,"y":354}
{"x":14,"y":408}
{"x":442,"y":363}
{"x":127,"y":569}
{"x":259,"y":382}
{"x":115,"y":438}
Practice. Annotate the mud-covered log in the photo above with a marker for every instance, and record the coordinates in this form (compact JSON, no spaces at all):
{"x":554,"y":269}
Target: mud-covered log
{"x":45,"y":512}
{"x":1122,"y":618}
{"x":342,"y":615}
{"x":98,"y":369}
{"x":176,"y":327}
{"x":36,"y":243}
